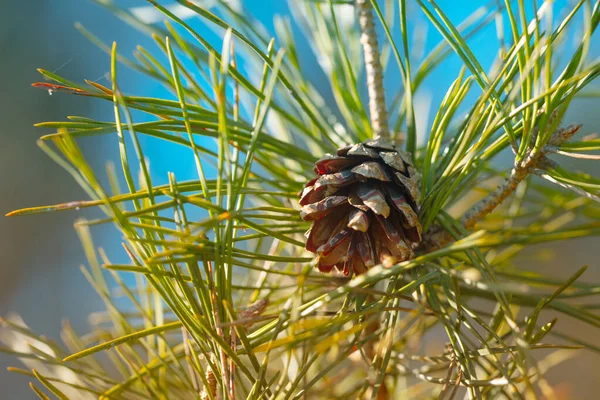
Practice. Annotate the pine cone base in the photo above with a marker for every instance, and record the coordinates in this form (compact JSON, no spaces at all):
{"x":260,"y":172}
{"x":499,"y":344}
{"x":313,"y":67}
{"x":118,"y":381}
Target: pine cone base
{"x":363,"y":204}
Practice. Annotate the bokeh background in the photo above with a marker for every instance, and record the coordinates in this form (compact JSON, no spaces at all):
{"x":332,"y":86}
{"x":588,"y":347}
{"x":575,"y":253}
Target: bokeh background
{"x":39,"y":269}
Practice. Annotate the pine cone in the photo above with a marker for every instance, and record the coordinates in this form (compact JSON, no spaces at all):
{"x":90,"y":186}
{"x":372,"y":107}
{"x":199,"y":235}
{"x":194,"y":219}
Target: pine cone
{"x":364,"y":206}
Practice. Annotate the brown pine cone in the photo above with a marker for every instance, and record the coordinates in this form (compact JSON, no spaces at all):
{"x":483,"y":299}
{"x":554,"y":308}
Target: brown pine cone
{"x":364,"y":206}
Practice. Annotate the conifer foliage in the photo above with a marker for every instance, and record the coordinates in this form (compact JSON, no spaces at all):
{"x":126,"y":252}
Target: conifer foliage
{"x":229,"y":304}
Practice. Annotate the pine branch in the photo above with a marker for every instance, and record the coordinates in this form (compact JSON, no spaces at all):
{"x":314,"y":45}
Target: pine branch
{"x":534,"y":163}
{"x":374,"y":70}
{"x":488,"y":204}
{"x":521,"y":171}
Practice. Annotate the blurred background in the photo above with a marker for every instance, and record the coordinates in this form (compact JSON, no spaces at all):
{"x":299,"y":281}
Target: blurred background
{"x":40,"y":276}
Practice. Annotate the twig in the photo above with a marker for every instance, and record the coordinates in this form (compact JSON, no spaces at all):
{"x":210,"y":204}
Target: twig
{"x":437,"y":237}
{"x":518,"y":174}
{"x":374,"y":70}
{"x":488,"y":204}
{"x":448,"y":383}
{"x":534,"y":163}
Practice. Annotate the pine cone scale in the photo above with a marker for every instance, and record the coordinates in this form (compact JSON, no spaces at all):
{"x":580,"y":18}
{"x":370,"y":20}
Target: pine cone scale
{"x":322,"y":207}
{"x":342,"y":178}
{"x":411,"y":186}
{"x":374,"y":199}
{"x":360,"y":150}
{"x":394,"y":160}
{"x":330,"y":164}
{"x":358,"y":220}
{"x":370,"y":170}
{"x":366,"y":250}
{"x":323,"y":229}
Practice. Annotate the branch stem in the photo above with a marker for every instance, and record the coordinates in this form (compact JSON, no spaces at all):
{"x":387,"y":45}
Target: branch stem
{"x":374,"y":70}
{"x":437,"y":237}
{"x":518,"y":174}
{"x":488,"y":204}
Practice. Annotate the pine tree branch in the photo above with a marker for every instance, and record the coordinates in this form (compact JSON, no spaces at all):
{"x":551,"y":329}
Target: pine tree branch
{"x":521,"y":170}
{"x":374,"y":70}
{"x":437,"y":237}
{"x":534,"y":163}
{"x":489,"y":203}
